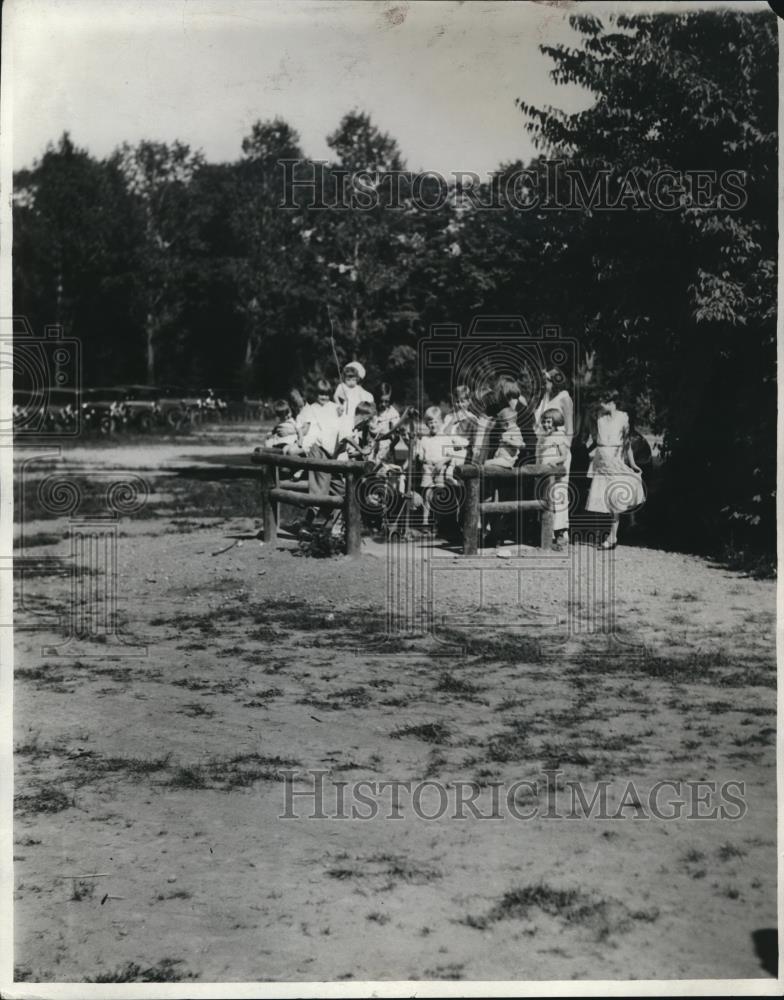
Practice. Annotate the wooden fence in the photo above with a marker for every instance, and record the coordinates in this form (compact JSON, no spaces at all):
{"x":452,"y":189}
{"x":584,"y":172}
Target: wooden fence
{"x":295,"y":492}
{"x":478,"y":477}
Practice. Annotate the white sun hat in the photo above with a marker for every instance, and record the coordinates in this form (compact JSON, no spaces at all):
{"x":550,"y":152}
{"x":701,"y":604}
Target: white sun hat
{"x":358,"y":368}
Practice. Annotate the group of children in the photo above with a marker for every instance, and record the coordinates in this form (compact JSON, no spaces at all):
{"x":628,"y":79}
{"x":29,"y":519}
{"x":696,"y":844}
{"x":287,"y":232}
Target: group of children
{"x":350,"y":424}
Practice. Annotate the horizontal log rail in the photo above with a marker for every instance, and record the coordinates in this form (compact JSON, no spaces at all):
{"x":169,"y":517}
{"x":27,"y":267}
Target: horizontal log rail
{"x":510,"y":506}
{"x":299,"y":499}
{"x":265,"y":456}
{"x":470,"y":471}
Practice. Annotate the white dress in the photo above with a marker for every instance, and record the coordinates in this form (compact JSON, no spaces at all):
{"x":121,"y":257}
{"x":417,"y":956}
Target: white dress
{"x":560,"y":494}
{"x":551,"y":449}
{"x":615,"y":487}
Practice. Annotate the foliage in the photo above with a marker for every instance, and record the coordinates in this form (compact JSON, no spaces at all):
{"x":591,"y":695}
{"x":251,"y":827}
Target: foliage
{"x":680,"y":305}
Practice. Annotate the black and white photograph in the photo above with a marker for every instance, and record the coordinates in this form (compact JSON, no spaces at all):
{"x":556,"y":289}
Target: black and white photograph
{"x":389,"y":461}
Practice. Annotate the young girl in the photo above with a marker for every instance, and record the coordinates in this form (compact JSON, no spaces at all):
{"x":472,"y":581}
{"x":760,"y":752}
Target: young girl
{"x":510,"y":442}
{"x":284,"y":434}
{"x":552,"y":448}
{"x":616,"y":480}
{"x":349,"y":392}
{"x":439,"y":453}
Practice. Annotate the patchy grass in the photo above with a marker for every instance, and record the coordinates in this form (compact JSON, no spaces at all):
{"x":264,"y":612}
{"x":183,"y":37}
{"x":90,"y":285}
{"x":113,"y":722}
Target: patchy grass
{"x":82,"y":889}
{"x":38,"y":538}
{"x":428,"y":732}
{"x":90,"y":768}
{"x":165,"y":971}
{"x":453,"y":685}
{"x":195,"y":710}
{"x":240,"y":771}
{"x":575,"y":909}
{"x":493,"y":648}
{"x":189,"y":778}
{"x":511,"y":743}
{"x":729,"y":851}
{"x":46,"y":799}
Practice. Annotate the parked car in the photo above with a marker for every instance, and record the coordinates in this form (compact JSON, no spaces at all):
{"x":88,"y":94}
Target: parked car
{"x":173,"y":408}
{"x":141,"y":402}
{"x":62,"y":409}
{"x":104,"y":410}
{"x":190,"y":401}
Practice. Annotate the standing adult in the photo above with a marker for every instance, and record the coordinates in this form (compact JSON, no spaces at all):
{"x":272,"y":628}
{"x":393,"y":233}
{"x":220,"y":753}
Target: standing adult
{"x":616,"y":479}
{"x":556,"y":397}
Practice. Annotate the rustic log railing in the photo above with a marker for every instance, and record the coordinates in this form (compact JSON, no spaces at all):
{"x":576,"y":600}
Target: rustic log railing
{"x":274,"y":492}
{"x":474,"y":476}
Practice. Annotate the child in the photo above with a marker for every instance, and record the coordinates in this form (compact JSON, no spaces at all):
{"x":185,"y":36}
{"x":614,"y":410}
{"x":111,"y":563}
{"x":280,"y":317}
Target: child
{"x":319,"y":427}
{"x":439,"y":453}
{"x":511,"y":441}
{"x":552,"y":448}
{"x":616,"y":479}
{"x":349,"y":392}
{"x":459,"y":419}
{"x":356,"y":442}
{"x":383,"y":423}
{"x":284,"y":434}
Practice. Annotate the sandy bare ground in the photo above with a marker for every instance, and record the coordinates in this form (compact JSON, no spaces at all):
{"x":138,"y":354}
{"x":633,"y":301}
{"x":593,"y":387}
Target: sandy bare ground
{"x":153,"y":760}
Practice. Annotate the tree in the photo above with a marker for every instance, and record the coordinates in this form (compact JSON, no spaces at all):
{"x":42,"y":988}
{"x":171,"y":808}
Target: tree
{"x":75,"y":239}
{"x":682,"y":302}
{"x":158,"y":176}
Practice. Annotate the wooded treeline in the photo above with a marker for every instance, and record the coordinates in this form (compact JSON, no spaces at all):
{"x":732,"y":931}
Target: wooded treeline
{"x":172,"y":269}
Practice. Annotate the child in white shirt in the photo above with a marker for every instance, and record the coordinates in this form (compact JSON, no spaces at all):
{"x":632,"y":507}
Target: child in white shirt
{"x":511,"y":442}
{"x":349,"y":392}
{"x":284,"y":434}
{"x":552,"y":448}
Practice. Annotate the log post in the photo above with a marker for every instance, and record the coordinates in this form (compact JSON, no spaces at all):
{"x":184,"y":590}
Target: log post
{"x":471,"y":516}
{"x":548,"y":515}
{"x":269,"y":507}
{"x":353,"y":516}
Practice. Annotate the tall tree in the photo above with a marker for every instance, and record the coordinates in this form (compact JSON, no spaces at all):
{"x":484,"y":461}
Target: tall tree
{"x":75,"y":240}
{"x":682,"y":302}
{"x":158,"y":176}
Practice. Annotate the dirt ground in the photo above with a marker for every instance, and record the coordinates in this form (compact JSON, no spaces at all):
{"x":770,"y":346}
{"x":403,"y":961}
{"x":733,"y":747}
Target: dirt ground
{"x":149,"y":758}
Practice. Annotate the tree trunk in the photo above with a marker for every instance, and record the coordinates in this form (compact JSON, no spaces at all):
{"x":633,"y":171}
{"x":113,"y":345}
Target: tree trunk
{"x":247,"y":363}
{"x":149,"y":329}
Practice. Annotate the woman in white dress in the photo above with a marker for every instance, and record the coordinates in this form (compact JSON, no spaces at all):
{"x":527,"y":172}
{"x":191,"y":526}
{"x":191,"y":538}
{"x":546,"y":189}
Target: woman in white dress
{"x":616,"y":480}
